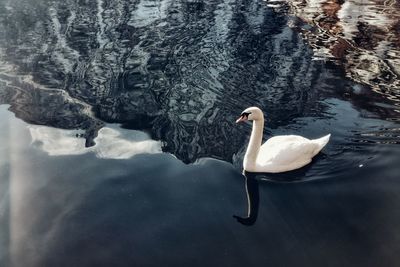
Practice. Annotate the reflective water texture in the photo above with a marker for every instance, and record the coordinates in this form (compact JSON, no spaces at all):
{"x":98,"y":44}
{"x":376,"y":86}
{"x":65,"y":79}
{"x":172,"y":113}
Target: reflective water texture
{"x":118,"y":145}
{"x":363,"y":36}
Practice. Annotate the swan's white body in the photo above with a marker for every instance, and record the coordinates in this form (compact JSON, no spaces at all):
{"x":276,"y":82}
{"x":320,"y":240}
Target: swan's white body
{"x":280,"y":153}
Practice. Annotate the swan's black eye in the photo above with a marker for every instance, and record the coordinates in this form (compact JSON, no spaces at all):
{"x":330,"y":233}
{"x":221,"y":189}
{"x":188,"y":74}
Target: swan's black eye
{"x":245,"y":114}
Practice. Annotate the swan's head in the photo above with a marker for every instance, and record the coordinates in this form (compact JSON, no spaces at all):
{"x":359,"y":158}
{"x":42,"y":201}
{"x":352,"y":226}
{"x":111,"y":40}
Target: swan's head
{"x":251,"y":114}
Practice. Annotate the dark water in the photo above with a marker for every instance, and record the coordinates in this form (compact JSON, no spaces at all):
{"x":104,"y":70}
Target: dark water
{"x":119,"y":148}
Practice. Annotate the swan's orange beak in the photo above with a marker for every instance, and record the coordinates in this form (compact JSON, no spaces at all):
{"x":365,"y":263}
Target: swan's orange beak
{"x":241,"y":118}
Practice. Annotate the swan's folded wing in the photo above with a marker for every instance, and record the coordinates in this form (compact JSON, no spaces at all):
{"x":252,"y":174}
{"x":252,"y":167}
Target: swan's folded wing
{"x":285,"y":150}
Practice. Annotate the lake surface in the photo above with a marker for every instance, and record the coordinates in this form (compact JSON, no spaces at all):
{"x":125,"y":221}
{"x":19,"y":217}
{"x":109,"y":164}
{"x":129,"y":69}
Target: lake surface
{"x":118,"y":145}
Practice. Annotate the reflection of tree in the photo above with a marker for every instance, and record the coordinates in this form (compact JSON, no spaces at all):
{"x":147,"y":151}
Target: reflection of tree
{"x":183,"y":72}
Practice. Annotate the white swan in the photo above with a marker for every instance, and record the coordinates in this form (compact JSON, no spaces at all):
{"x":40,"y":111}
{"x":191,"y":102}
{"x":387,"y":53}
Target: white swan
{"x":279,"y":153}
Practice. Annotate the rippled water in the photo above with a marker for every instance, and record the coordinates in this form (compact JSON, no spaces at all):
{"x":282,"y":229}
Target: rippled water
{"x":119,"y":147}
{"x":363,"y":37}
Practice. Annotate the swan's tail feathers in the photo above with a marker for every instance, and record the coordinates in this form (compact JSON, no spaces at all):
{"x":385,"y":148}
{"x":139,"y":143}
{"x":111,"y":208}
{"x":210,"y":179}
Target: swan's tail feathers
{"x":322,"y":141}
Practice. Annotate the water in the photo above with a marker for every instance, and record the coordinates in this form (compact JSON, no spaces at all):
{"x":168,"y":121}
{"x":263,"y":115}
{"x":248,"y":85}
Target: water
{"x":119,"y":147}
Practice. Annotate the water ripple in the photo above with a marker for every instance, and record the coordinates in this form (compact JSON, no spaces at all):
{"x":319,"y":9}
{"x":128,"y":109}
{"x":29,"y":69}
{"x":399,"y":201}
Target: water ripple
{"x":180,"y":71}
{"x":361,"y":36}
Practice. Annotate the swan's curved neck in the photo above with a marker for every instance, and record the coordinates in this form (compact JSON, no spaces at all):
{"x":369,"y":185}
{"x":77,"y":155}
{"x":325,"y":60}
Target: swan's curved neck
{"x":253,"y":148}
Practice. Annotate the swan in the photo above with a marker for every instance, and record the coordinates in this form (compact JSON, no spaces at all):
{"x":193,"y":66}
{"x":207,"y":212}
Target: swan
{"x":279,"y":153}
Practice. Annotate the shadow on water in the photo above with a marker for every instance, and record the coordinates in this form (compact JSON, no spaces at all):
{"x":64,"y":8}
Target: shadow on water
{"x":252,"y":181}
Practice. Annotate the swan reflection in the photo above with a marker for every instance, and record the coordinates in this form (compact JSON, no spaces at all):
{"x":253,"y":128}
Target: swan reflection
{"x":252,"y":188}
{"x":253,"y":199}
